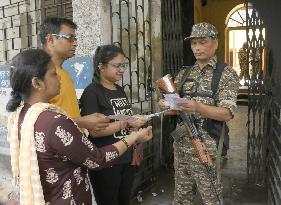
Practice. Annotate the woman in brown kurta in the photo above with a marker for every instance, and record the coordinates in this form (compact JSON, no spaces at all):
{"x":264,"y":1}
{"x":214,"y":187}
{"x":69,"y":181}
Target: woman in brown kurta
{"x":48,"y":144}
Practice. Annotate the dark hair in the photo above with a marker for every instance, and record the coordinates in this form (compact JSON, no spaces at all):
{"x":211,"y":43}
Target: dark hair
{"x":25,"y":66}
{"x":52,"y":25}
{"x":103,"y":55}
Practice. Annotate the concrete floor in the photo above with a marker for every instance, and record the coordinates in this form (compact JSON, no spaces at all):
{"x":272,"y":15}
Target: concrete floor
{"x":236,"y":190}
{"x":234,"y":175}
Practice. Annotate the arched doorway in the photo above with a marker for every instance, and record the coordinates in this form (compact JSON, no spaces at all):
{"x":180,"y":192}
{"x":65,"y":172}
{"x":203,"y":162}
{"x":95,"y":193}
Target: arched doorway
{"x":236,"y":36}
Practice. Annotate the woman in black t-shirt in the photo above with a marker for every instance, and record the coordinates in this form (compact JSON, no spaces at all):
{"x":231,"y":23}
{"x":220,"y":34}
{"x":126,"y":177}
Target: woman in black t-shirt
{"x":111,"y":186}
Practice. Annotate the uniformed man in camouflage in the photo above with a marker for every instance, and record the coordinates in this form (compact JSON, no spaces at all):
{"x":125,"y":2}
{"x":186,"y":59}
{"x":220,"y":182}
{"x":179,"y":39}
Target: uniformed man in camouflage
{"x":191,"y":178}
{"x":255,"y":63}
{"x":242,"y":56}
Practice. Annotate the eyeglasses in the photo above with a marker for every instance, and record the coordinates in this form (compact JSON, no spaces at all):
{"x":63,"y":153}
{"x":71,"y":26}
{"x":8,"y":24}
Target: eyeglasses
{"x":120,"y":66}
{"x":68,"y":37}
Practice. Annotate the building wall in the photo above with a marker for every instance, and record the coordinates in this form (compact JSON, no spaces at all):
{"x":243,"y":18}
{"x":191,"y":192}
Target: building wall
{"x":91,"y":26}
{"x":197,"y":11}
{"x":17,"y":27}
{"x":215,"y":12}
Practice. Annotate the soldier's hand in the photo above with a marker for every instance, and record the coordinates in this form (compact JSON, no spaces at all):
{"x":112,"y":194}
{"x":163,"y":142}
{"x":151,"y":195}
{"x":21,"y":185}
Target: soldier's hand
{"x":162,"y":105}
{"x":169,"y":111}
{"x":190,"y":106}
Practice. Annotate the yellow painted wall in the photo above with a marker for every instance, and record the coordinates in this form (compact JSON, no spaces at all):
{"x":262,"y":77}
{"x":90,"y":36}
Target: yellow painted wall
{"x":197,"y":11}
{"x":215,"y":12}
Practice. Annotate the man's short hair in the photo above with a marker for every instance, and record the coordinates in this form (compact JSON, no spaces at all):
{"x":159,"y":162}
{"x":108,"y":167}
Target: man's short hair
{"x":52,"y":25}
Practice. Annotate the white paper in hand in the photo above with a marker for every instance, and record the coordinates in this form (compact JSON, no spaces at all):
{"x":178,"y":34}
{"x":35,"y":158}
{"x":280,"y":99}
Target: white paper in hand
{"x":181,"y":100}
{"x":121,"y":117}
{"x":172,"y":100}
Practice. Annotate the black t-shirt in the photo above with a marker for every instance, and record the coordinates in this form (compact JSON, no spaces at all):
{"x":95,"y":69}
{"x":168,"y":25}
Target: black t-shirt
{"x":98,"y":99}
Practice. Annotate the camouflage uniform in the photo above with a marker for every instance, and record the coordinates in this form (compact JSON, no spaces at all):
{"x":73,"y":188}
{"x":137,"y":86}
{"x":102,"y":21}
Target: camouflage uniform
{"x":190,"y":175}
{"x":242,"y":56}
{"x":255,"y":63}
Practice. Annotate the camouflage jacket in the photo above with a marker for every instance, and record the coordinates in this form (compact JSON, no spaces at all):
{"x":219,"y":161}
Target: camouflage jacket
{"x":200,"y":80}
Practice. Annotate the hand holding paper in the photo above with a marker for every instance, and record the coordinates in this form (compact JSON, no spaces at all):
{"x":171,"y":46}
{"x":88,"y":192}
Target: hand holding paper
{"x":138,"y":121}
{"x":134,"y":121}
{"x":121,"y":117}
{"x":173,"y":100}
{"x":191,"y":106}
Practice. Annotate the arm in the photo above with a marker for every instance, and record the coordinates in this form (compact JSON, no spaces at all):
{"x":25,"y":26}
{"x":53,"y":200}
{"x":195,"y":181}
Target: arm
{"x":207,"y":111}
{"x":213,"y":112}
{"x":162,"y":107}
{"x":64,"y":138}
{"x":112,"y":128}
{"x":90,"y":105}
{"x":133,"y":125}
{"x":227,"y":96}
{"x":93,"y":101}
{"x":94,"y":121}
{"x":137,"y":122}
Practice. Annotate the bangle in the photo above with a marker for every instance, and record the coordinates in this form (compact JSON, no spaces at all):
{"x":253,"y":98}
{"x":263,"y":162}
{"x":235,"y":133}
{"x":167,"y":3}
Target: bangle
{"x":125,"y":142}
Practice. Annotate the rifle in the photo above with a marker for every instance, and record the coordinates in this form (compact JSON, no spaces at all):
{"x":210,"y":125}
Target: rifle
{"x":167,"y":85}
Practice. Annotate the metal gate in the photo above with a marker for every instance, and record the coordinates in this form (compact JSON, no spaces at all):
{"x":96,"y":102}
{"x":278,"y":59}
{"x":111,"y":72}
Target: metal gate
{"x":264,"y":116}
{"x":172,"y":52}
{"x":257,"y":106}
{"x":19,"y":22}
{"x":172,"y":36}
{"x":131,"y":30}
{"x":177,"y":20}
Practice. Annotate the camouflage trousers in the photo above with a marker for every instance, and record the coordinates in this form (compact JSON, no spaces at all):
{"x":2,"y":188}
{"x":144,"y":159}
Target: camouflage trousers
{"x":191,"y":178}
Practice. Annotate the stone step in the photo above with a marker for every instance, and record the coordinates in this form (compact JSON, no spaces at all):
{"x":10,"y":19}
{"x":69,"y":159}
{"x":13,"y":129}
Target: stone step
{"x":242,"y":98}
{"x":242,"y":102}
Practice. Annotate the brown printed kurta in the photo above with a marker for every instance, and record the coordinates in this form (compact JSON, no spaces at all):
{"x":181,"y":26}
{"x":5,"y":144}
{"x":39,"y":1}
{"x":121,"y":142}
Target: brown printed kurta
{"x":190,"y":174}
{"x":64,"y":155}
